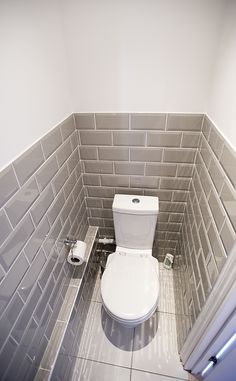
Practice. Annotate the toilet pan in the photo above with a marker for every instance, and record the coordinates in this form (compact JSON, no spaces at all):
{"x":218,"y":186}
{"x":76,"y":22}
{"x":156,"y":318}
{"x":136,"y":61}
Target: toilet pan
{"x":130,"y":287}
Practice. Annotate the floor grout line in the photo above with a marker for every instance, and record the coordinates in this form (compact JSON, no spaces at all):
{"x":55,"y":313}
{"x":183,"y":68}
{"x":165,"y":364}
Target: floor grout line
{"x":96,"y":361}
{"x":160,"y":374}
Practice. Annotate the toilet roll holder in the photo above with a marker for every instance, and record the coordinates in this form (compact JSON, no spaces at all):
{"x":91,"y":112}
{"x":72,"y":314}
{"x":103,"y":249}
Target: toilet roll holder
{"x":69,"y":242}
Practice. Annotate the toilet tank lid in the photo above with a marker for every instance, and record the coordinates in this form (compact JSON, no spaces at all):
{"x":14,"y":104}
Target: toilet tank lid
{"x":133,"y":204}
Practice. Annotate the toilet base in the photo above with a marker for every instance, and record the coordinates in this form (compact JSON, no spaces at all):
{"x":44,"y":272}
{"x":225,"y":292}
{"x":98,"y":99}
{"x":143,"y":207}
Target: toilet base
{"x":131,"y":323}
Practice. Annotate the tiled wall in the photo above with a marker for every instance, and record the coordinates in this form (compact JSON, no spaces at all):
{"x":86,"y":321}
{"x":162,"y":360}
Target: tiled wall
{"x":41,"y":201}
{"x":148,"y":154}
{"x":45,"y":196}
{"x":209,"y":225}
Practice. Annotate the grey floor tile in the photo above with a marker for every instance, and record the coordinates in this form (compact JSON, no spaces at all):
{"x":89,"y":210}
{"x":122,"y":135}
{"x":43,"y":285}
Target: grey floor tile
{"x":78,"y":369}
{"x":86,"y":370}
{"x":155,"y":347}
{"x":166,"y":301}
{"x":105,"y":340}
{"x":137,"y":375}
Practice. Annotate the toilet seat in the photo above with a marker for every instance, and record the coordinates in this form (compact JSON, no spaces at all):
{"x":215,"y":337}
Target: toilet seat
{"x":130,"y":286}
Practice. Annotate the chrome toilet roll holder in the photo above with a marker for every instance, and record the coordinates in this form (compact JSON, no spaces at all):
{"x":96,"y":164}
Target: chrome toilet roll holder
{"x":69,"y":242}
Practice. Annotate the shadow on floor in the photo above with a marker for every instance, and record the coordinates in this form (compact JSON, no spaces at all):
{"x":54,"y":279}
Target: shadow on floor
{"x":115,"y":332}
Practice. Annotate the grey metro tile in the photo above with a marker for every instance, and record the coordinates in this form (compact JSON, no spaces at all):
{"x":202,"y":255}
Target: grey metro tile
{"x":12,"y":280}
{"x":228,"y":161}
{"x":184,"y":122}
{"x":206,"y":127}
{"x":67,"y":127}
{"x":15,"y":242}
{"x":98,"y":167}
{"x":43,"y":302}
{"x":64,"y":152}
{"x":88,"y":153}
{"x":9,"y":317}
{"x":37,"y":239}
{"x":185,"y":170}
{"x":55,"y":208}
{"x":7,"y":353}
{"x":114,"y":181}
{"x":91,"y":179}
{"x":129,"y":138}
{"x":51,"y":142}
{"x":113,"y":153}
{"x":32,"y":275}
{"x":17,"y":207}
{"x":102,"y":192}
{"x":190,"y":139}
{"x":174,"y":183}
{"x":216,"y":173}
{"x":212,"y":270}
{"x":69,"y":185}
{"x":26,"y":314}
{"x":8,"y":184}
{"x":217,"y":210}
{"x":45,"y":174}
{"x":84,"y":121}
{"x":6,"y":228}
{"x":73,"y":162}
{"x":42,"y":204}
{"x":60,"y":179}
{"x":74,"y":140}
{"x":146,"y":154}
{"x":182,"y":155}
{"x":216,"y":141}
{"x":228,"y":237}
{"x":127,"y":168}
{"x":228,"y":198}
{"x":161,"y":169}
{"x":96,"y":138}
{"x":112,"y":121}
{"x":144,"y":182}
{"x":205,"y":152}
{"x":217,"y":247}
{"x":164,"y":139}
{"x":28,"y":163}
{"x":148,"y":121}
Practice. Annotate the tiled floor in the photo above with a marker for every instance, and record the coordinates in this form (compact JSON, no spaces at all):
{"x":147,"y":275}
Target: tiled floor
{"x":108,"y":351}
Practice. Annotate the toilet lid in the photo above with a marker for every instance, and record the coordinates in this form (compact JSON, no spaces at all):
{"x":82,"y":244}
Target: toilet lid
{"x":130,"y":285}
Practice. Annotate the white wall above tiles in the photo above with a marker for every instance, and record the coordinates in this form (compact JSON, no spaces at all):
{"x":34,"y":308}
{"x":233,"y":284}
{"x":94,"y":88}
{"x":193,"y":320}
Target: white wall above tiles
{"x":141,"y":56}
{"x":34,"y":94}
{"x":221,"y":108}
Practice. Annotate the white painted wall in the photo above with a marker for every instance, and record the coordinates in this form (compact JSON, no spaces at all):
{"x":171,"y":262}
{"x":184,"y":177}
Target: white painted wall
{"x":141,"y":55}
{"x":34,"y":93}
{"x":222,"y":99}
{"x":64,"y":56}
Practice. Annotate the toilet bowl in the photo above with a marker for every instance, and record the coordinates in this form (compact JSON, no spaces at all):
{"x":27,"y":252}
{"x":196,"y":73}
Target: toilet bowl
{"x":130,"y":286}
{"x":130,"y":282}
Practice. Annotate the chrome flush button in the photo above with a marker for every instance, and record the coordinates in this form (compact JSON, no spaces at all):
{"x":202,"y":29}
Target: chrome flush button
{"x":135,"y":201}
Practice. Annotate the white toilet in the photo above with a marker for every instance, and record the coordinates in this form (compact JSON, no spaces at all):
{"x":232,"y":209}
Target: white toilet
{"x":130,"y":282}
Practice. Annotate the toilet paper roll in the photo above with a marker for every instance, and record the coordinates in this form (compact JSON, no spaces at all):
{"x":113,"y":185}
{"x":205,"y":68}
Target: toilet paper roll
{"x":76,"y":255}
